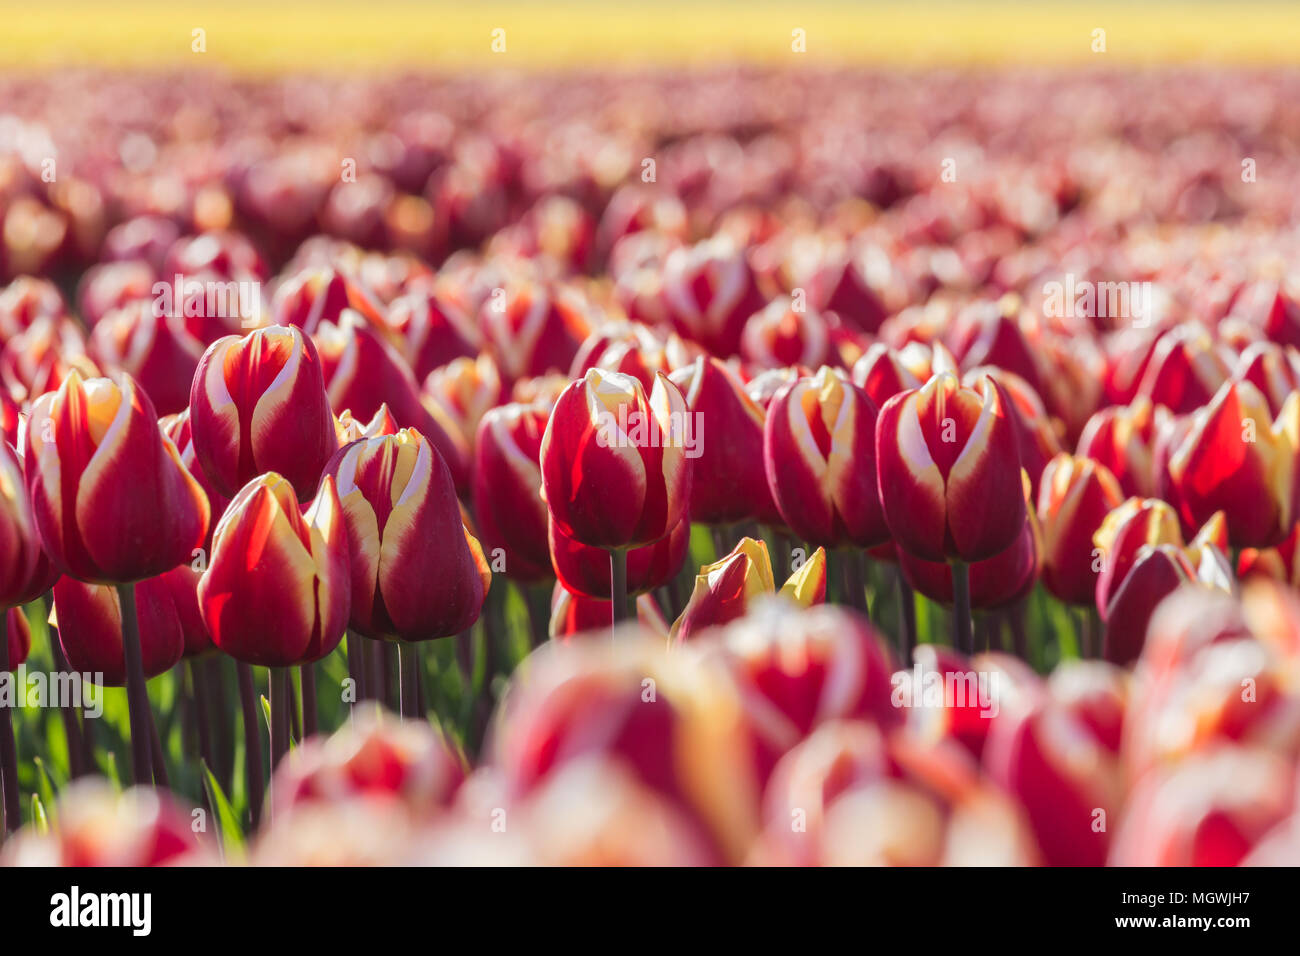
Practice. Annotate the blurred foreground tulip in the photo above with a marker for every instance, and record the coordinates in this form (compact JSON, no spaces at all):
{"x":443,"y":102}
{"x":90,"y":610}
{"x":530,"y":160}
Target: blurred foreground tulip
{"x":99,"y":825}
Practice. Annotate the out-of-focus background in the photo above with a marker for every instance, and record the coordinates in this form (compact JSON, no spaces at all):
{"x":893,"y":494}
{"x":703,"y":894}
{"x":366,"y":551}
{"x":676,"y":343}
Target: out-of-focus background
{"x":382,"y":34}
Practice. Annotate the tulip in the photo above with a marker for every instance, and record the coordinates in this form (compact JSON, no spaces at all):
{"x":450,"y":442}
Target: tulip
{"x":433,"y":329}
{"x":995,"y":582}
{"x":584,"y":570}
{"x":1123,"y":438}
{"x":90,"y":622}
{"x":24,"y":301}
{"x":949,"y":471}
{"x":819,"y":453}
{"x":462,"y":392}
{"x":628,"y":347}
{"x":798,"y":668}
{"x":409,"y":763}
{"x":1185,"y":369}
{"x":779,"y":335}
{"x":726,"y":487}
{"x":672,"y":720}
{"x":1046,"y":759}
{"x":258,"y":404}
{"x":417,"y":573}
{"x":615,"y":467}
{"x":349,"y":429}
{"x":573,"y":615}
{"x":156,"y":350}
{"x":881,"y":372}
{"x":111,"y":286}
{"x":38,"y":359}
{"x":1074,"y":498}
{"x":1211,"y":809}
{"x":363,"y":372}
{"x":1234,"y":460}
{"x":531,"y":330}
{"x":1271,"y":368}
{"x":113,"y":503}
{"x":313,"y":296}
{"x":1036,"y":439}
{"x":949,"y":479}
{"x":276,"y":591}
{"x":101,"y":825}
{"x":177,"y":428}
{"x":725,"y":589}
{"x":508,"y":489}
{"x":711,"y":291}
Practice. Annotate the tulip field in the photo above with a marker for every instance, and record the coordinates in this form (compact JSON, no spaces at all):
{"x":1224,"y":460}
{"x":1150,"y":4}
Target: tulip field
{"x":734,"y":464}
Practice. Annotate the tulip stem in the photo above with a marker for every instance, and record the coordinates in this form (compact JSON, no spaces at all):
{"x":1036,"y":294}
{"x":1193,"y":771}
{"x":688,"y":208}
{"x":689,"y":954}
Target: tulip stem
{"x":137,"y":695}
{"x":252,"y":741}
{"x":281,"y":713}
{"x":356,"y":668}
{"x":156,"y":752}
{"x":962,"y":634}
{"x":307,"y":673}
{"x":906,"y":618}
{"x":78,"y":757}
{"x":202,"y":707}
{"x":618,"y":585}
{"x":8,"y":751}
{"x":408,"y":657}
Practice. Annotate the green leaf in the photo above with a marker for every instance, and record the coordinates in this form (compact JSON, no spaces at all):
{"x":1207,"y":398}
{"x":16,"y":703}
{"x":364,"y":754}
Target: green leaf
{"x":39,"y":819}
{"x":266,"y":712}
{"x":44,"y":786}
{"x":231,"y":839}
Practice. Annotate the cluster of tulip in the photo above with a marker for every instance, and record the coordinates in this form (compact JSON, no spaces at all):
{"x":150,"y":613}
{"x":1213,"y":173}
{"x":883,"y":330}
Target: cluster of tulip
{"x":977,"y":400}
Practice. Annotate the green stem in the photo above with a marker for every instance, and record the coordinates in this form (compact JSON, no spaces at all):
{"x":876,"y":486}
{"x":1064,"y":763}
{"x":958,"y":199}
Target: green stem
{"x":137,"y":696}
{"x":408,"y":656}
{"x":962,"y":634}
{"x":618,"y":585}
{"x":8,"y":750}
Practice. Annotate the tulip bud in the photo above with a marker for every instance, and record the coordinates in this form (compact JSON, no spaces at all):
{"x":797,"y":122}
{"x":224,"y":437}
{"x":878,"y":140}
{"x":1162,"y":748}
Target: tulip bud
{"x":628,"y":347}
{"x":1003,"y":579}
{"x":25,"y":570}
{"x":1074,"y":499}
{"x":508,"y":490}
{"x":711,"y":291}
{"x":1271,"y":368}
{"x":798,"y":668}
{"x":779,"y":335}
{"x":1234,"y":460}
{"x":1209,"y":810}
{"x":363,"y":372}
{"x":100,"y":825}
{"x":882,"y":374}
{"x":417,"y":573}
{"x":18,"y":637}
{"x":89,"y":619}
{"x":316,"y":295}
{"x":725,"y":589}
{"x":112,"y":499}
{"x":258,"y":405}
{"x":531,"y":330}
{"x":820,"y":458}
{"x":573,"y":615}
{"x":726,"y":486}
{"x":1185,"y":369}
{"x":408,"y":762}
{"x":156,"y":350}
{"x":276,"y":592}
{"x":584,"y":569}
{"x":1123,"y":438}
{"x":434,"y":330}
{"x":949,"y":471}
{"x":348,"y":429}
{"x":615,"y":471}
{"x":40,"y":358}
{"x":1036,"y":439}
{"x":463,"y":391}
